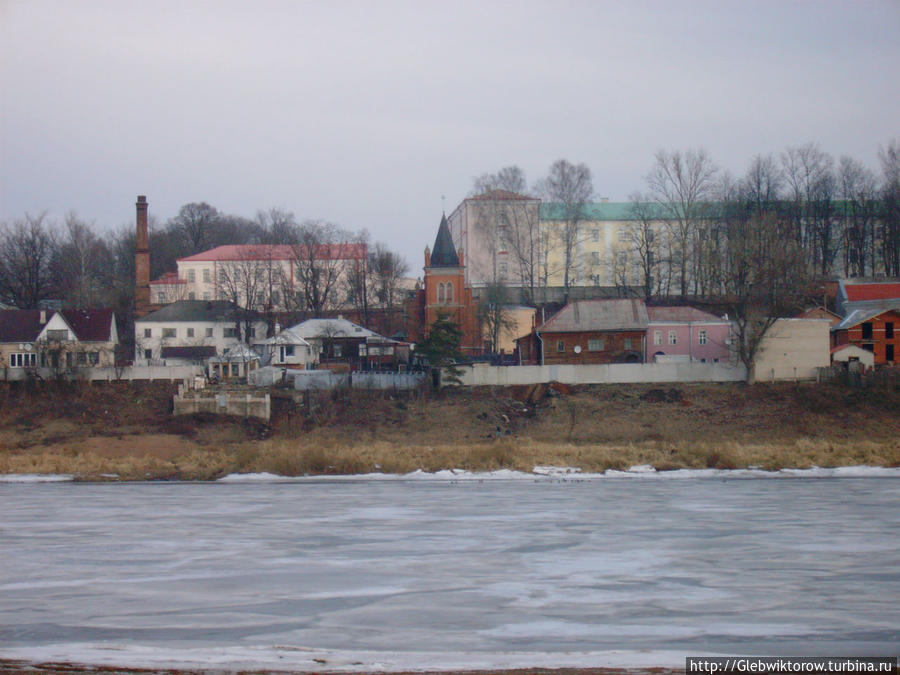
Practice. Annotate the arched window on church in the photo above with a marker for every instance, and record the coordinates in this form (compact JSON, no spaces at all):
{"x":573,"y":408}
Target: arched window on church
{"x":440,"y":294}
{"x":449,"y":293}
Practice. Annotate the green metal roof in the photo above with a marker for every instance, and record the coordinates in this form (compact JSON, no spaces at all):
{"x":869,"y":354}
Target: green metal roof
{"x":600,"y":211}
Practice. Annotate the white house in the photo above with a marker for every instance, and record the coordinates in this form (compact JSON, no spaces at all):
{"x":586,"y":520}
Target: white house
{"x":190,"y":332}
{"x":287,"y":349}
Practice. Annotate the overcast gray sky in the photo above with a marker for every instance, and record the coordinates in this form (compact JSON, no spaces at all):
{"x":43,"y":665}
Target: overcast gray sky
{"x":365,"y":113}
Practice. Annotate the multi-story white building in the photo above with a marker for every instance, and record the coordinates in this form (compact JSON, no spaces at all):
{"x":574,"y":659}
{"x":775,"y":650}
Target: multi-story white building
{"x":190,"y":332}
{"x":268,"y":275}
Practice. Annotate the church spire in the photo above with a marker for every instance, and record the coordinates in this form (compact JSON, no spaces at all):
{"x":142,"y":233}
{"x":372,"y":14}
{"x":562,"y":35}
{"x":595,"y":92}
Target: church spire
{"x":444,"y":252}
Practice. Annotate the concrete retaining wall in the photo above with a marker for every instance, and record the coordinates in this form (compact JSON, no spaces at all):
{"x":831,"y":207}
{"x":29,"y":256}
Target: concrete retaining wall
{"x":170,"y":373}
{"x":390,"y":381}
{"x":481,"y":375}
{"x":241,"y":405}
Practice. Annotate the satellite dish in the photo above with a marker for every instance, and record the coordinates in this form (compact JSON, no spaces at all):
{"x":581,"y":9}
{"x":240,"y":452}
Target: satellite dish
{"x":577,"y":349}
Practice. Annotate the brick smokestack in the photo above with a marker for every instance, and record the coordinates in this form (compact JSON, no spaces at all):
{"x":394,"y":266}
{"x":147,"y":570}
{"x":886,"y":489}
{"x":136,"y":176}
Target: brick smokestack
{"x":142,"y":261}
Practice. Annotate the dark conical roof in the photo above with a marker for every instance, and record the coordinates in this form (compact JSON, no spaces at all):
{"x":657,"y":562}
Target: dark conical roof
{"x":444,"y":253}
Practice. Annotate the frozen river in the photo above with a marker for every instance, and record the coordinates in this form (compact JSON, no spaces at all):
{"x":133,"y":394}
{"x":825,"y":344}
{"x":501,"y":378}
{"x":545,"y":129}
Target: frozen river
{"x":445,"y":573}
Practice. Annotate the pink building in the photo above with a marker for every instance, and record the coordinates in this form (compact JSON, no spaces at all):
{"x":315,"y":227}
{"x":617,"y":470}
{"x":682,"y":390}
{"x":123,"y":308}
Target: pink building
{"x":686,"y":334}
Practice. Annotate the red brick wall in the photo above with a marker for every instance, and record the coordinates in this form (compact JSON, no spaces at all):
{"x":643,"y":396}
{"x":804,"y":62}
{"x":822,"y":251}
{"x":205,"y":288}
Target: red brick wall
{"x":614,"y":347}
{"x":879,"y":341}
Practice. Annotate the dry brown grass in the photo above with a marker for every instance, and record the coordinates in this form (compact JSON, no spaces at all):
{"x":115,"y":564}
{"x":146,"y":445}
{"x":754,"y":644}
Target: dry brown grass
{"x":93,"y":431}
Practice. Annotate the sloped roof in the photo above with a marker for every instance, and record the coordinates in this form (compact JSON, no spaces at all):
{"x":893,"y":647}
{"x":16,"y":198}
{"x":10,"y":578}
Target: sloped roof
{"x":603,"y":211}
{"x":598,"y":315}
{"x":858,"y":316}
{"x":331,"y":328}
{"x":285,"y":337}
{"x":502,"y":195}
{"x":444,"y":253}
{"x":880,"y":290}
{"x":820,"y":313}
{"x":168,"y":279}
{"x":233,"y":252}
{"x":88,"y":325}
{"x":21,"y":325}
{"x":198,"y":352}
{"x":192,"y":310}
{"x":681,"y":315}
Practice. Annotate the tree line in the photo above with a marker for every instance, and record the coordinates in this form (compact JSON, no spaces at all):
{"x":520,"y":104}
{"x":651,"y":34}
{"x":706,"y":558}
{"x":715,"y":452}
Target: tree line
{"x":70,"y":264}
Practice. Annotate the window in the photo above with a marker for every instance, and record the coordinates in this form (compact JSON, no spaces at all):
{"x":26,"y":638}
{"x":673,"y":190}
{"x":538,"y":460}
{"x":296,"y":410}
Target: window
{"x":160,"y":298}
{"x":626,"y":344}
{"x":336,"y":351}
{"x":192,"y":276}
{"x":57,"y":335}
{"x":169,"y":332}
{"x":702,"y":337}
{"x":889,"y":330}
{"x":206,"y":278}
{"x":560,"y":346}
{"x":289,"y":350}
{"x":867,"y":330}
{"x":22,"y":360}
{"x":595,"y":234}
{"x":673,"y":337}
{"x":889,"y":352}
{"x":230,"y":332}
{"x":657,"y":337}
{"x":148,"y":354}
{"x":190,"y":332}
{"x":192,"y":296}
{"x":207,"y":296}
{"x":502,"y":269}
{"x":621,"y":259}
{"x":441,"y":293}
{"x":595,"y":257}
{"x":276,"y":298}
{"x":235,"y":369}
{"x":623,"y":234}
{"x":81,"y":358}
{"x":148,"y":332}
{"x":94,"y":358}
{"x":596,"y":345}
{"x":449,"y":293}
{"x":209,"y":332}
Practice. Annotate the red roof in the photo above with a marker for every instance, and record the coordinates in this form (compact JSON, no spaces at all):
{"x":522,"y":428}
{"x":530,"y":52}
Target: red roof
{"x":168,"y":278}
{"x":502,"y":195}
{"x":21,"y":325}
{"x":874,"y":291}
{"x":24,"y":325}
{"x":279,"y":252}
{"x":90,"y":325}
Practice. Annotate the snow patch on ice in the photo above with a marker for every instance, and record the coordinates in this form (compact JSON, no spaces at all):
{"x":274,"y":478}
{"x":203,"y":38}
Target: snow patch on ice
{"x":642,"y":471}
{"x":290,"y":658}
{"x":35,"y":478}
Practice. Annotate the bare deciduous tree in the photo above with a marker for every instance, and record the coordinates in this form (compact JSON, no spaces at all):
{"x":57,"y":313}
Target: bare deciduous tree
{"x":890,"y":208}
{"x":682,"y":183}
{"x":27,"y":251}
{"x":321,"y":257}
{"x":570,"y":186}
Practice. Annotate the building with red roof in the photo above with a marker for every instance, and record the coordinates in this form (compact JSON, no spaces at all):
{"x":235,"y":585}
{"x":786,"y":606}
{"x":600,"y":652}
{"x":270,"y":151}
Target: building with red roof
{"x":263,"y":276}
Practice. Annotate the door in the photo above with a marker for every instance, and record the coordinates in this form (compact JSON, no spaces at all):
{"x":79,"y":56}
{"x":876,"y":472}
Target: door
{"x":889,"y":352}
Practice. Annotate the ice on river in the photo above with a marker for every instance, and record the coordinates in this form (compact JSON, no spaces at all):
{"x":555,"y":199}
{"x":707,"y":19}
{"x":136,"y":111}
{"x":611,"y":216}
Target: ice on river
{"x":455,"y":570}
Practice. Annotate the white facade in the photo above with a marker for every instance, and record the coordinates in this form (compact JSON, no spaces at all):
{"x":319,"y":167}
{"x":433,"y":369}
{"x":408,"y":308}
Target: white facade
{"x":150,"y":337}
{"x":793,"y":349}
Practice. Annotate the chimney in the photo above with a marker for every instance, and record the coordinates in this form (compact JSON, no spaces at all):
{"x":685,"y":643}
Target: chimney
{"x":43,"y":317}
{"x":142,"y":261}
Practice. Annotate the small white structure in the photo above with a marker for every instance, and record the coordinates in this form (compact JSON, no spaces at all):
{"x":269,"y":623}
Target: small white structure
{"x":287,"y":349}
{"x":850,"y":354}
{"x":237,"y":361}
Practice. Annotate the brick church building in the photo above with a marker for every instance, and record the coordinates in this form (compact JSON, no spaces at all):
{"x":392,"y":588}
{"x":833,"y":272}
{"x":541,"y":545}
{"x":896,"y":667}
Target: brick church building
{"x":445,"y":293}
